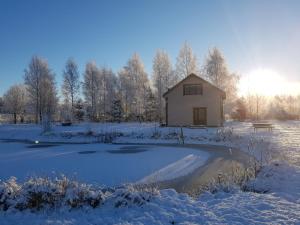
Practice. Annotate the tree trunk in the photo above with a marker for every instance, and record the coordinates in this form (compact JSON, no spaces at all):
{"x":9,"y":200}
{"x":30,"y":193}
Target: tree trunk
{"x":15,"y":118}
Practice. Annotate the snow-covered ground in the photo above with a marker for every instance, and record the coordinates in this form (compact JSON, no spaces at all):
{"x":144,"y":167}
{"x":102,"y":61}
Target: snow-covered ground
{"x":280,"y":180}
{"x":170,"y":207}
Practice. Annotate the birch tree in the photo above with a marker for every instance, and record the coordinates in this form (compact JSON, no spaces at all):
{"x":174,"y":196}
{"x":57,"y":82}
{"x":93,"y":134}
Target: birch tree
{"x":41,"y":87}
{"x":133,"y":86}
{"x":127,"y":92}
{"x":163,"y":77}
{"x":15,"y":100}
{"x":216,"y":71}
{"x":186,"y":62}
{"x":108,"y":83}
{"x":71,"y":84}
{"x":91,"y":90}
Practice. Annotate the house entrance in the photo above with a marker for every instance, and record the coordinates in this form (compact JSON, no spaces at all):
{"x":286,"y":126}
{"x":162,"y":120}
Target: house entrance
{"x":199,"y":116}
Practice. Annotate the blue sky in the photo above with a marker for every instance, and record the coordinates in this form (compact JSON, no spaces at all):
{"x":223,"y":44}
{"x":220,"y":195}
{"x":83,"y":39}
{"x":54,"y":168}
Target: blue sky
{"x":251,"y":34}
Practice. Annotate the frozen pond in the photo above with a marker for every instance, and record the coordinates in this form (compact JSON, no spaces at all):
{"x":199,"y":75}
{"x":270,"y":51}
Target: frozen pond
{"x":106,"y":164}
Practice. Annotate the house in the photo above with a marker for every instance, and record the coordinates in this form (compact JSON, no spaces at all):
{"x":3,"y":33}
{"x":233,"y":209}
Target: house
{"x":194,"y":102}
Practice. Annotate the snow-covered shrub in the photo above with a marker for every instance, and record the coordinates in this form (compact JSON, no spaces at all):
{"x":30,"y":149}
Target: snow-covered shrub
{"x":237,"y":178}
{"x":79,"y":195}
{"x":102,"y":137}
{"x":172,"y":134}
{"x":261,"y":153}
{"x":8,"y":193}
{"x":47,"y":193}
{"x":39,"y":193}
{"x":133,"y":195}
{"x":272,"y":177}
{"x":46,"y":124}
{"x":108,"y":137}
{"x":138,"y":135}
{"x":89,"y":131}
{"x":156,"y":133}
{"x":224,"y":134}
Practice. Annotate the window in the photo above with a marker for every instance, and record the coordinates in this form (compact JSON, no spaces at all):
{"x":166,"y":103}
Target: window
{"x":192,"y":89}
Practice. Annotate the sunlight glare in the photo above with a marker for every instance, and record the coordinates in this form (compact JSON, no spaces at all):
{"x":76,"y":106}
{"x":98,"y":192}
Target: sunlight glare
{"x":268,"y":83}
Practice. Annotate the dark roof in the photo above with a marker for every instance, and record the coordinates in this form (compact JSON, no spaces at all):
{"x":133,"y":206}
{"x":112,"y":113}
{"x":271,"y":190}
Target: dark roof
{"x":192,"y":74}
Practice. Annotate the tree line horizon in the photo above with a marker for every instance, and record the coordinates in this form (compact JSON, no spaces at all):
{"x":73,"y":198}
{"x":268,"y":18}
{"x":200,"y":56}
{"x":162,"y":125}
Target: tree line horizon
{"x":129,"y":94}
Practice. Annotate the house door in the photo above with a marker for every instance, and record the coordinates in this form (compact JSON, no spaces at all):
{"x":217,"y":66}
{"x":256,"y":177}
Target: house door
{"x":199,"y":116}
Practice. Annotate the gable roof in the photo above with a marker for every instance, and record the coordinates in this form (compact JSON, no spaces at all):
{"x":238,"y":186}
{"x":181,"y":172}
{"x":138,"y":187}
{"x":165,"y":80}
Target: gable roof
{"x":205,"y":81}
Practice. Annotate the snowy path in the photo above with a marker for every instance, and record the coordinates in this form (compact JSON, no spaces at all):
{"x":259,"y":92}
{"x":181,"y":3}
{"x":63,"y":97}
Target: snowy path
{"x":221,"y":161}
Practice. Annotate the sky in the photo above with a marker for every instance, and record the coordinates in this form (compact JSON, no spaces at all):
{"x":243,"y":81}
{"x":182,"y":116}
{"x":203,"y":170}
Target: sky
{"x":254,"y":36}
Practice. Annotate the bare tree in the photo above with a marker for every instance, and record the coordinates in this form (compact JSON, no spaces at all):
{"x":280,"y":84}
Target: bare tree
{"x":41,"y":88}
{"x":186,"y":62}
{"x":163,"y":77}
{"x":15,"y":100}
{"x":71,"y":84}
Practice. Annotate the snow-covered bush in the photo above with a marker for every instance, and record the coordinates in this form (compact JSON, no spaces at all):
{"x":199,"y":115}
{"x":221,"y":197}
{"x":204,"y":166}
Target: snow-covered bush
{"x":108,"y":137}
{"x":89,"y":131}
{"x":237,"y":178}
{"x":102,"y":137}
{"x":39,"y":193}
{"x":8,"y":193}
{"x":47,"y":193}
{"x":172,"y":134}
{"x":156,"y":133}
{"x":46,"y":124}
{"x":224,"y":134}
{"x":272,"y":177}
{"x":133,"y":195}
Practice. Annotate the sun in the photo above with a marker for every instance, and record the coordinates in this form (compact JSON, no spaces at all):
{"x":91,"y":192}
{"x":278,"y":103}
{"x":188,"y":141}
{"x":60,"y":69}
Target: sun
{"x":265,"y":82}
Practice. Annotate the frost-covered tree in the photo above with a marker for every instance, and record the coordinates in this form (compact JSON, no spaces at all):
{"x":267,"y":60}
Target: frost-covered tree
{"x":108,"y":82}
{"x":71,"y":84}
{"x":99,"y":89}
{"x":41,"y":87}
{"x":186,"y":62}
{"x":91,"y":90}
{"x":15,"y":100}
{"x":163,"y":77}
{"x":216,"y":71}
{"x":127,"y":92}
{"x":133,"y":85}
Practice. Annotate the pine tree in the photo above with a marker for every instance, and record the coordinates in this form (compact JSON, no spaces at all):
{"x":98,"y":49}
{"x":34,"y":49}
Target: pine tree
{"x":117,"y":110}
{"x":79,"y":110}
{"x":151,"y":106}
